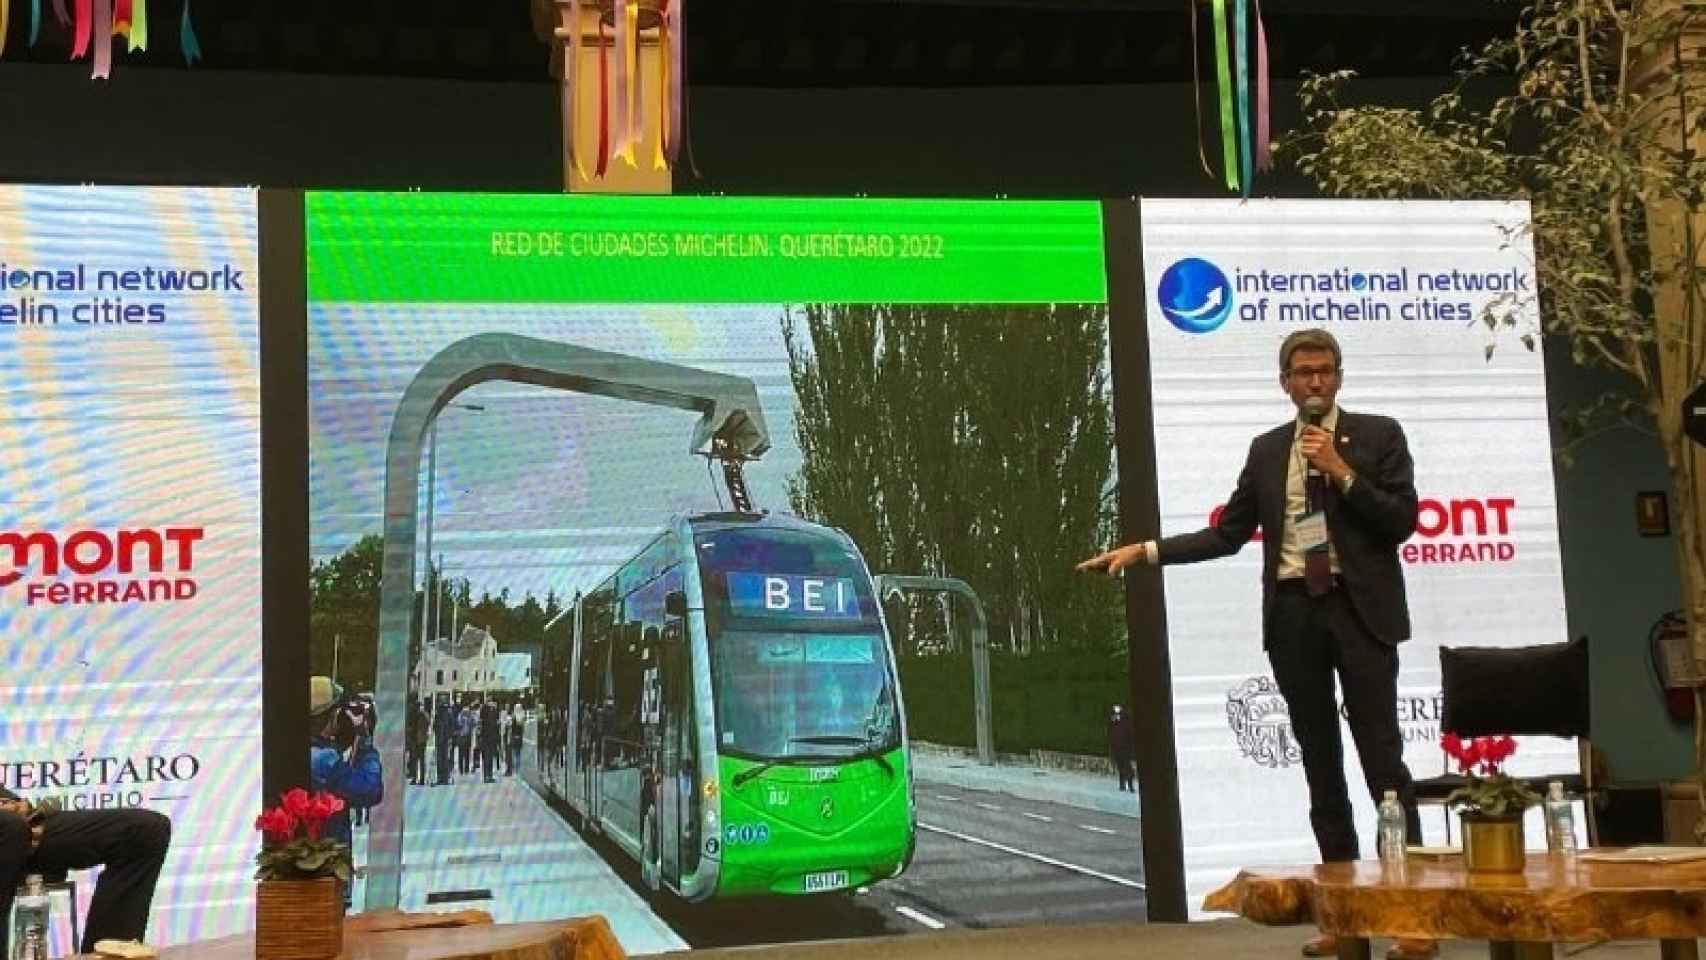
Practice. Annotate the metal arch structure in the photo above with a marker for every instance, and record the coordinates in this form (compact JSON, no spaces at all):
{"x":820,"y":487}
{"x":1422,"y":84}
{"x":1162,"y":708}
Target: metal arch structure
{"x":730,"y":419}
{"x":890,"y":584}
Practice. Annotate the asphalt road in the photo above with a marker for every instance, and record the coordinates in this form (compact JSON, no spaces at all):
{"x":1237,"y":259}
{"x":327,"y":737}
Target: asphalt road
{"x":984,"y":860}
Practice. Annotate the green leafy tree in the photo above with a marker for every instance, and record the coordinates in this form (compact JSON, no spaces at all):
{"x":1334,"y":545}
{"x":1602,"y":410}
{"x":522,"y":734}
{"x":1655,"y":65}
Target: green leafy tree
{"x":343,"y":617}
{"x":966,"y":441}
{"x":1597,"y":120}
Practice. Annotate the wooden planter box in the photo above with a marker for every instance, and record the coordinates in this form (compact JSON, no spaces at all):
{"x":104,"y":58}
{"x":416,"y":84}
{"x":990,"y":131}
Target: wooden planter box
{"x":299,"y":919}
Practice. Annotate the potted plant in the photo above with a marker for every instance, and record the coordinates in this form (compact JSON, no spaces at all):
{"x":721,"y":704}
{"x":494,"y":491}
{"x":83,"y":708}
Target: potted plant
{"x":1490,"y":804}
{"x":299,"y":904}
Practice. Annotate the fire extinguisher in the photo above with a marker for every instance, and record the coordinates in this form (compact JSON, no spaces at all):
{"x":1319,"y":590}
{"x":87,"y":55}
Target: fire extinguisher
{"x":1672,"y":657}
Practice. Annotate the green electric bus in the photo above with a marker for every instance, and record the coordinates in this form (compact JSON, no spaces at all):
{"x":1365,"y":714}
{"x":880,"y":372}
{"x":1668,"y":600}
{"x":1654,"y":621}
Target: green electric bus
{"x":725,"y":708}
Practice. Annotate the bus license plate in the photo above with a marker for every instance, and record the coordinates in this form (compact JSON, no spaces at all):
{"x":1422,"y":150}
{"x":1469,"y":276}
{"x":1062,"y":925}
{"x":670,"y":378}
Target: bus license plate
{"x":829,"y":880}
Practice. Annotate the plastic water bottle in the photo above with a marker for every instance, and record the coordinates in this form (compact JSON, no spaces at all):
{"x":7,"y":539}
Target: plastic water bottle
{"x":1560,"y":822}
{"x":29,"y":935}
{"x":1392,"y":835}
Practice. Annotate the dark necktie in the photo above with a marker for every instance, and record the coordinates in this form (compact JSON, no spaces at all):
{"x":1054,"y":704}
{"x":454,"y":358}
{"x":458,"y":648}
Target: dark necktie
{"x":1317,"y":569}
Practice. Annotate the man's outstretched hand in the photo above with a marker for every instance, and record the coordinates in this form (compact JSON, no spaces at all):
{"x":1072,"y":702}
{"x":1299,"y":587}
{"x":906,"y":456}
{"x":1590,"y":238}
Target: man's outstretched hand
{"x":1115,"y":560}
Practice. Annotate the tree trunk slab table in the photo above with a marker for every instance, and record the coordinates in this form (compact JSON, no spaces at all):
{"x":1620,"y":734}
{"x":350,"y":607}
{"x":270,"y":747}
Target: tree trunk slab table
{"x":1520,"y":914}
{"x":588,"y":938}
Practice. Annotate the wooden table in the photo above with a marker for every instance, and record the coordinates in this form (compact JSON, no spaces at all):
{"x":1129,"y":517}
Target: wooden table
{"x":587,"y":938}
{"x":1519,"y":915}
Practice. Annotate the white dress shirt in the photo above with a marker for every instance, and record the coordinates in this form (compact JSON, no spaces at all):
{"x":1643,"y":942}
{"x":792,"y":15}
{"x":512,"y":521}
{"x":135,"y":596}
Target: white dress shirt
{"x":1291,"y":549}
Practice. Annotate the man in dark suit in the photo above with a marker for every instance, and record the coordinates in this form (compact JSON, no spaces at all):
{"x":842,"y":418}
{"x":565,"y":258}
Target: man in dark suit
{"x":130,"y":844}
{"x":1334,"y":494}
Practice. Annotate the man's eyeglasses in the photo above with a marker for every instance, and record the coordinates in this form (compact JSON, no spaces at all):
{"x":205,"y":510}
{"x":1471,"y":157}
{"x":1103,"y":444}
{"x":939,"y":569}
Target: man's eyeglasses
{"x":1312,"y":373}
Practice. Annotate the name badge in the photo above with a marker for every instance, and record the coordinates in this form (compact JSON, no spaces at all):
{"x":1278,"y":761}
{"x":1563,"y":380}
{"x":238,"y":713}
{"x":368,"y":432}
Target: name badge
{"x":1311,"y":530}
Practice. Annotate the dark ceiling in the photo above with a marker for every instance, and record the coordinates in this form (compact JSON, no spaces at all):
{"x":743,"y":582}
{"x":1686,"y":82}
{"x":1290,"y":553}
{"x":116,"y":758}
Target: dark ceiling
{"x":814,"y":43}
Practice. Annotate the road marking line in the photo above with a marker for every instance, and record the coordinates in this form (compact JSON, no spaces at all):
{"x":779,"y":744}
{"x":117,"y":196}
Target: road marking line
{"x":914,"y":915}
{"x":1086,"y":826}
{"x":1122,"y":881}
{"x":947,"y":798}
{"x":989,"y":806}
{"x":1038,"y":816}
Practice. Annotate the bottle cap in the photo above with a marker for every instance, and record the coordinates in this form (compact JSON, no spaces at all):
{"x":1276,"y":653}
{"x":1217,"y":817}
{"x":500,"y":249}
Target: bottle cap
{"x":1555,"y":789}
{"x":1392,"y":795}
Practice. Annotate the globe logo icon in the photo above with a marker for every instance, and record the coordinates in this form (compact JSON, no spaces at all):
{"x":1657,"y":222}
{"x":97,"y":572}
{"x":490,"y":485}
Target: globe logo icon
{"x":1194,"y":295}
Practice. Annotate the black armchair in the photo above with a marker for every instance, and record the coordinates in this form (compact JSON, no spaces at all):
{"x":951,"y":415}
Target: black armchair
{"x":1537,"y":691}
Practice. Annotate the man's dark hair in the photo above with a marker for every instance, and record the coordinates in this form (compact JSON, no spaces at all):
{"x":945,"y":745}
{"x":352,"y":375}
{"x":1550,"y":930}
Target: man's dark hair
{"x":1314,"y":339}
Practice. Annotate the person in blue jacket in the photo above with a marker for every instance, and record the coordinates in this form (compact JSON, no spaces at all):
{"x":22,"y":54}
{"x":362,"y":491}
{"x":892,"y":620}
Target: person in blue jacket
{"x":341,"y":757}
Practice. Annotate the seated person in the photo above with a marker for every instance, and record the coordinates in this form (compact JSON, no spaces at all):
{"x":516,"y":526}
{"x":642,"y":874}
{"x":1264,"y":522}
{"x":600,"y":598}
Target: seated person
{"x":130,"y":843}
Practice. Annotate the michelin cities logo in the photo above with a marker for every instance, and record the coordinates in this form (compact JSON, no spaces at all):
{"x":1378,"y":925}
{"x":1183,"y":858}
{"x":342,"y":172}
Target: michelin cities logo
{"x":1194,"y":295}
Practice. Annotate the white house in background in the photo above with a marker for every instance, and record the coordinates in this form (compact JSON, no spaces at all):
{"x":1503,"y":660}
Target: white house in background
{"x":467,"y":664}
{"x":515,"y":672}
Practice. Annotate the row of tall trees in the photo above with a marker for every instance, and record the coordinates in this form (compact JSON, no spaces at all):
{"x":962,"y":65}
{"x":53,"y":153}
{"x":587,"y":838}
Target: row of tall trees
{"x":966,"y":441}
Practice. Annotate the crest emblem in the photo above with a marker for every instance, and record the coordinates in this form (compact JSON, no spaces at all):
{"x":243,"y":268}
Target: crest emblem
{"x":1261,"y":722}
{"x":826,"y":809}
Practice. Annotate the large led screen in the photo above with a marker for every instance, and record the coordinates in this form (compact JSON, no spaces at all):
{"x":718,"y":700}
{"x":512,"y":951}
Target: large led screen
{"x":668,"y":552}
{"x":1406,"y":289}
{"x":130,"y":526}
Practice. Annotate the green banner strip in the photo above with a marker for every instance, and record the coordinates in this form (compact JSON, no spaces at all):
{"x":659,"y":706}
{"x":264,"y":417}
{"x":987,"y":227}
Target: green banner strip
{"x":1228,"y":140}
{"x":515,"y":248}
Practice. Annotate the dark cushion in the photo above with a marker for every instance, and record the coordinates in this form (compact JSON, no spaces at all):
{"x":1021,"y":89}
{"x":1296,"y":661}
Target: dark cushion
{"x":1538,"y":690}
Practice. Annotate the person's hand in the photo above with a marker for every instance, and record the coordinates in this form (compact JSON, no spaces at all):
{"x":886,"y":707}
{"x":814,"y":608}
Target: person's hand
{"x":18,"y":808}
{"x":1318,"y":448}
{"x":1115,"y":560}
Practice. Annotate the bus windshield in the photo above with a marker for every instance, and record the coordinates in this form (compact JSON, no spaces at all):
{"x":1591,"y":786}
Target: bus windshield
{"x":799,"y":661}
{"x":782,"y":695}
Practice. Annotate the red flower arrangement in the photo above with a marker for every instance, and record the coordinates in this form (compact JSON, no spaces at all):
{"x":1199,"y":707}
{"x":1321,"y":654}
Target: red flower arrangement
{"x":1489,"y":792}
{"x":293,"y":847}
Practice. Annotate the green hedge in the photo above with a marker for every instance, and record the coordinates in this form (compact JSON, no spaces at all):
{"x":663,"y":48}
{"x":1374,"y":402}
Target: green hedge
{"x":1046,"y":701}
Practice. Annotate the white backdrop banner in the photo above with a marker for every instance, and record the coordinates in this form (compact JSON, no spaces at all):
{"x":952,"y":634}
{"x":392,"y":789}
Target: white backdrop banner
{"x":1403,"y":286}
{"x":130,"y":527}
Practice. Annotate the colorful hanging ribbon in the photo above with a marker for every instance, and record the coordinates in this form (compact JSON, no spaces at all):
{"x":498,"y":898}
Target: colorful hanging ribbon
{"x":603,"y":103}
{"x":571,"y":92}
{"x":1223,"y":73}
{"x":636,"y":87}
{"x":1241,"y":24}
{"x":632,"y":119}
{"x":186,"y":37}
{"x":83,"y":30}
{"x":35,"y":22}
{"x":622,"y":120}
{"x":661,"y":143}
{"x":103,"y":28}
{"x":139,"y":26}
{"x":1264,"y":150}
{"x":4,"y":15}
{"x":1196,"y":89}
{"x":619,"y":119}
{"x":686,"y":139}
{"x":60,"y":14}
{"x":677,"y":76}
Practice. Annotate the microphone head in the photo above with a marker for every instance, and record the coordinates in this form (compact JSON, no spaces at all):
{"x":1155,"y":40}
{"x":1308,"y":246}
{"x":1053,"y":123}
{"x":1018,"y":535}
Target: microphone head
{"x":1315,"y":408}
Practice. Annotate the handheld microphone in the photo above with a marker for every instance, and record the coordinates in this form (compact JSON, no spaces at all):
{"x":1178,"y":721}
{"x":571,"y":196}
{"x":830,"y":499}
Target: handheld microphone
{"x":1314,"y":410}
